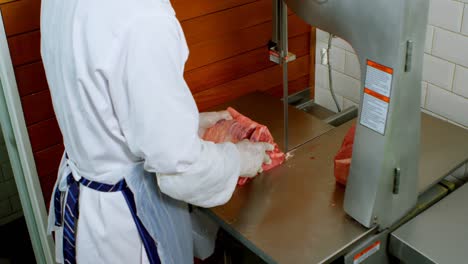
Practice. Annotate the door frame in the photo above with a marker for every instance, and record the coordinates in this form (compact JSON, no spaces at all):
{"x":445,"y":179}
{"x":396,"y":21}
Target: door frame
{"x":21,"y":156}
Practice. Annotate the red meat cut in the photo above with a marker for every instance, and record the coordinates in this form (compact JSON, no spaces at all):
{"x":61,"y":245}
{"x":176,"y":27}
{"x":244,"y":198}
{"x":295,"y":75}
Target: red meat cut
{"x":343,"y":157}
{"x":240,"y":128}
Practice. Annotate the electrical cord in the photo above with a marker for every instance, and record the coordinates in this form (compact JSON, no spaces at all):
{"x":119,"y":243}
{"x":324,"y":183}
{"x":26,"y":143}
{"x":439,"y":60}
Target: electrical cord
{"x":330,"y":81}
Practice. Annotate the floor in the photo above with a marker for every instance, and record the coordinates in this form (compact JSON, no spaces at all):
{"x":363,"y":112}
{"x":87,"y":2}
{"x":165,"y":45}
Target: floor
{"x":15,"y":245}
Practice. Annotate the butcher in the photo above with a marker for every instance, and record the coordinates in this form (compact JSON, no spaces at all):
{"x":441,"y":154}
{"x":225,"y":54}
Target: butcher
{"x":133,"y":155}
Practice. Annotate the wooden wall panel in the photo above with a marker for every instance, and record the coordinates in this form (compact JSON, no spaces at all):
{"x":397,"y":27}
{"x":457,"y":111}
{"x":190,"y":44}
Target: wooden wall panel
{"x":259,"y":81}
{"x":238,"y":66}
{"x":217,"y":24}
{"x":44,"y":134}
{"x":21,"y":16}
{"x":228,"y":58}
{"x":31,"y":78}
{"x":187,"y":9}
{"x":6,"y":1}
{"x":47,"y":160}
{"x":238,"y":42}
{"x":37,"y":107}
{"x":47,"y":184}
{"x":25,"y":48}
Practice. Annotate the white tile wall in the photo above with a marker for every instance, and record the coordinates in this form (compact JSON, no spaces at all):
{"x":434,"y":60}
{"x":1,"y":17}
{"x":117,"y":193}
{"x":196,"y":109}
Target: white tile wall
{"x":445,"y":73}
{"x":324,"y":98}
{"x":447,"y":104}
{"x":446,"y":14}
{"x":460,"y":85}
{"x":465,"y":21}
{"x":450,"y":46}
{"x":350,"y":66}
{"x":438,"y":71}
{"x":423,"y":93}
{"x":429,"y":38}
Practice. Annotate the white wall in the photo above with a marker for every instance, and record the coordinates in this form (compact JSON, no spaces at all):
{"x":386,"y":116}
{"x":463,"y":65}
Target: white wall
{"x":445,"y":76}
{"x":10,"y":206}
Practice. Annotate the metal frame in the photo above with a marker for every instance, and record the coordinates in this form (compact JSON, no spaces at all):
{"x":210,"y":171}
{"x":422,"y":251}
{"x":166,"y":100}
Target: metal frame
{"x":382,"y":185}
{"x":21,"y":156}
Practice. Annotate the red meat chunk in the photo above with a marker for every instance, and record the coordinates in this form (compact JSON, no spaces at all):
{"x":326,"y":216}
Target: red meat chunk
{"x":343,"y":157}
{"x":240,"y":128}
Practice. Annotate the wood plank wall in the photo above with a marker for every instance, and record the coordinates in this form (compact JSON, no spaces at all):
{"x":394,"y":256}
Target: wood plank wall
{"x":228,"y":59}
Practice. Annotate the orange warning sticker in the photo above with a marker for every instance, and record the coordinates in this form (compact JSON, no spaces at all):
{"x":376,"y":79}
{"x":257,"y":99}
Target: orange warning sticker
{"x":377,"y":95}
{"x":380,"y":67}
{"x":366,"y":253}
{"x":376,"y":99}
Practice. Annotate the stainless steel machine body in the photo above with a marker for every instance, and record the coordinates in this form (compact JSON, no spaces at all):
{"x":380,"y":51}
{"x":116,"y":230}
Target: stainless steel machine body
{"x":388,"y":37}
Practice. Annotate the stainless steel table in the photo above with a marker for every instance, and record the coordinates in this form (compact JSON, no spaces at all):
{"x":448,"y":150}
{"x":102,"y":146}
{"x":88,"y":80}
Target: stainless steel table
{"x":438,"y":235}
{"x":294,"y":213}
{"x":444,"y":148}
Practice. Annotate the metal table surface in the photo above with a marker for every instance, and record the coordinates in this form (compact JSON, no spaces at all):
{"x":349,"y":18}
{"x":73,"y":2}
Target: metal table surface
{"x":444,"y":148}
{"x":294,"y":213}
{"x":438,"y":235}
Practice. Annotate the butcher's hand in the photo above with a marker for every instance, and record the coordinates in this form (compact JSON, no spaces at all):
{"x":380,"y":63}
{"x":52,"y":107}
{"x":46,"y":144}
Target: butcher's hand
{"x":209,"y":119}
{"x":253,"y":156}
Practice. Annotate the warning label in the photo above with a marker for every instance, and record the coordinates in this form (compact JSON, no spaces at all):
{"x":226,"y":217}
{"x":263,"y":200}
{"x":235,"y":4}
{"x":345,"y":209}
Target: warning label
{"x":376,"y":98}
{"x":359,"y":258}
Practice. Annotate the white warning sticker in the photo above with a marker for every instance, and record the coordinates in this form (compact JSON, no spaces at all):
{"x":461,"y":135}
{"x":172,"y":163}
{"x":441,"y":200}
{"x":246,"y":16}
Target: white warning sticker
{"x":363,"y":255}
{"x":376,"y":98}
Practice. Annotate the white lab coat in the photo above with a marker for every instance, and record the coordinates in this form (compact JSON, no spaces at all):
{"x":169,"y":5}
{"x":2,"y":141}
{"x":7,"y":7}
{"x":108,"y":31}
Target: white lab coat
{"x":115,"y":72}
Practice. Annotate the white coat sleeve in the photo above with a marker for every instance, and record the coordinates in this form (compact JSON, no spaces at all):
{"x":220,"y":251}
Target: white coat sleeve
{"x":159,"y":117}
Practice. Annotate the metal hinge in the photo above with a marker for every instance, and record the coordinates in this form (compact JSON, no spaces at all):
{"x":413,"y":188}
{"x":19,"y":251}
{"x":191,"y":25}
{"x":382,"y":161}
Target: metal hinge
{"x":409,"y":56}
{"x":396,"y":180}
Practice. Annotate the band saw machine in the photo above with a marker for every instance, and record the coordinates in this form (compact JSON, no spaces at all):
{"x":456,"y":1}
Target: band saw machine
{"x":405,"y":200}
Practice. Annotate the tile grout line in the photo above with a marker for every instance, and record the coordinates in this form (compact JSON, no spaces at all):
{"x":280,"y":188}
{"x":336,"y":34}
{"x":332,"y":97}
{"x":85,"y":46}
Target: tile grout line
{"x":425,"y":96}
{"x":433,"y":39}
{"x":446,"y":60}
{"x":463,"y":18}
{"x":449,"y":30}
{"x":453,"y":79}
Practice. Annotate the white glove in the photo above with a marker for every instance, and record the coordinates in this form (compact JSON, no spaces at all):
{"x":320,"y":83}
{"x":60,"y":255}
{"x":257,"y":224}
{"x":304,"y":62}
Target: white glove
{"x":209,"y":119}
{"x":252,"y":157}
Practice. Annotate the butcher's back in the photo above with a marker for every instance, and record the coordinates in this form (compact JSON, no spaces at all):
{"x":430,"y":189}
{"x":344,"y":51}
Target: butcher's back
{"x":79,"y":40}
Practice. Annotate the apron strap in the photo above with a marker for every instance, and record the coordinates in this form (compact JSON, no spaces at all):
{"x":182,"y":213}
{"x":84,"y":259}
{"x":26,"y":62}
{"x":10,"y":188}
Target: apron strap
{"x":70,"y":215}
{"x":146,"y":238}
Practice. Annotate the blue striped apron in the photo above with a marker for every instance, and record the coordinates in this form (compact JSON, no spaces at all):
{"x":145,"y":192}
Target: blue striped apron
{"x":67,"y":212}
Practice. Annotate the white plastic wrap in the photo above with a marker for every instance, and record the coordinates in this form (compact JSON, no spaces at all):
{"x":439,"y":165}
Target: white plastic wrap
{"x":166,"y":219}
{"x":204,"y":232}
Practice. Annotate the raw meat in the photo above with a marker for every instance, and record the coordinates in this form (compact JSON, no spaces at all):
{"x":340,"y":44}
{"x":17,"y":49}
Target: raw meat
{"x":240,"y":128}
{"x":343,"y":157}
